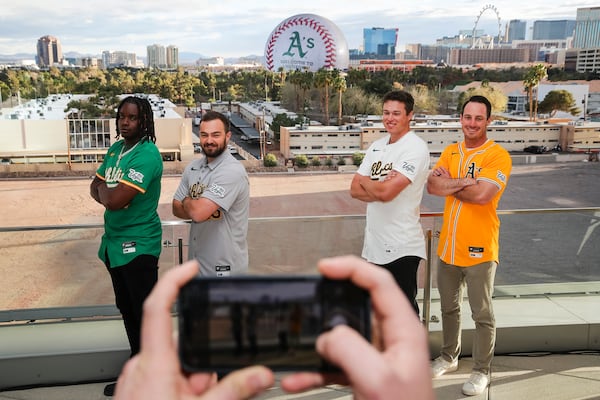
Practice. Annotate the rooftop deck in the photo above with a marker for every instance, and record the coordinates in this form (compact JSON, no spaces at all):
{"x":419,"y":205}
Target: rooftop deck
{"x":559,"y":375}
{"x":546,"y":300}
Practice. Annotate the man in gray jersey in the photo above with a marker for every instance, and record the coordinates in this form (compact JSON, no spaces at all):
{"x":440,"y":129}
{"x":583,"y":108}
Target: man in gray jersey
{"x":214,"y":193}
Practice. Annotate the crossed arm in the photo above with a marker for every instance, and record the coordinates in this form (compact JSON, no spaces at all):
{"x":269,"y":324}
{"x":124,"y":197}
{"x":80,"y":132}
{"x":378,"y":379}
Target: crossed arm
{"x":197,"y":210}
{"x":365,"y":189}
{"x":468,"y":190}
{"x":112,"y":198}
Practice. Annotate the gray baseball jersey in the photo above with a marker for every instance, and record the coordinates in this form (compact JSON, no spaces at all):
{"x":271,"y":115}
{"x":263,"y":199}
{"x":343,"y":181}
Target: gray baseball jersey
{"x":219,"y":243}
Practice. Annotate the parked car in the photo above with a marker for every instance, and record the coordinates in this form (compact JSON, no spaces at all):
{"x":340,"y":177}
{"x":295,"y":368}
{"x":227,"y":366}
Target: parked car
{"x":232,"y":149}
{"x":535,"y":149}
{"x":197,"y":148}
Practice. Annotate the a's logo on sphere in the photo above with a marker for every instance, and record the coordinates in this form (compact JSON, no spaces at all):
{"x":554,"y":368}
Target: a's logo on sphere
{"x":306,"y":42}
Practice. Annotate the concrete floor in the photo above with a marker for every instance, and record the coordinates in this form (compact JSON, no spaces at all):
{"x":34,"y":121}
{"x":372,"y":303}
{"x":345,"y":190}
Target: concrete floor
{"x":548,"y":377}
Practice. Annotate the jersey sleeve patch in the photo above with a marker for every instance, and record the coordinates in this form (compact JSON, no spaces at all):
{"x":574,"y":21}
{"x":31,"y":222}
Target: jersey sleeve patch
{"x":217,"y":190}
{"x":135,"y":176}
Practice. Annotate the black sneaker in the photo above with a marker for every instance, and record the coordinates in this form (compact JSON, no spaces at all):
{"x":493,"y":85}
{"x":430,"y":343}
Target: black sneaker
{"x":109,"y":390}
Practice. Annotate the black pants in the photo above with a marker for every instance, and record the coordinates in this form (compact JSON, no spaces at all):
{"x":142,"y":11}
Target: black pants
{"x":404,"y":270}
{"x":132,"y":283}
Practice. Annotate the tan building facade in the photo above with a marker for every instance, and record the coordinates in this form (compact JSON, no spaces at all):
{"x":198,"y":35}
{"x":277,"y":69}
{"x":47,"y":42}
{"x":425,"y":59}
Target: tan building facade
{"x":501,"y":55}
{"x":31,"y":134}
{"x":333,"y":141}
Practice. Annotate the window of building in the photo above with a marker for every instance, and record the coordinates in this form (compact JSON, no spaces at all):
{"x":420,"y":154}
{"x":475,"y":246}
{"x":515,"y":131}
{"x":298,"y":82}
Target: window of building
{"x":89,"y":134}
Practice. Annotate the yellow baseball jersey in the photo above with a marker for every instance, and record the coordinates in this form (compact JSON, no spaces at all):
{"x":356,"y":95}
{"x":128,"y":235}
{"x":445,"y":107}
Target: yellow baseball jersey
{"x":469,"y":234}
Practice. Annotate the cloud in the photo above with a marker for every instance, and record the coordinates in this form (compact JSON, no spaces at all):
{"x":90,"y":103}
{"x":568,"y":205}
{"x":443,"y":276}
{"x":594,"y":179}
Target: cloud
{"x":234,"y":27}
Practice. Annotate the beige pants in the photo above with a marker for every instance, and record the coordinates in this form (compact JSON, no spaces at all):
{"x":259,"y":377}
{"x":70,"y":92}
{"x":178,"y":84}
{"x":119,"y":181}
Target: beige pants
{"x":479,"y":280}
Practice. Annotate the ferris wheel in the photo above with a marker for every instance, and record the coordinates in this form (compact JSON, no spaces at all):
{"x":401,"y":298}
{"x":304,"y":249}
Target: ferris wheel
{"x":478,"y":43}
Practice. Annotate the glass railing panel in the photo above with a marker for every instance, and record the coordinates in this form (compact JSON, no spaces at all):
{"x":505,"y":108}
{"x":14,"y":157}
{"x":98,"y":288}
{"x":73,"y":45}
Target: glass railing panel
{"x":542,"y":251}
{"x":294,"y":245}
{"x":52,"y":268}
{"x":175,"y":239}
{"x":549,"y":251}
{"x":552,"y":251}
{"x":58,"y":266}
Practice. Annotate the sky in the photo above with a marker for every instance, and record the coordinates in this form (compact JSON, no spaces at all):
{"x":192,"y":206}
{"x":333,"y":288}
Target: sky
{"x":233,"y":28}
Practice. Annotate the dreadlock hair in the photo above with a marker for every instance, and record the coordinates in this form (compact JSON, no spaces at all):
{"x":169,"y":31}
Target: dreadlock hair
{"x":146,"y":116}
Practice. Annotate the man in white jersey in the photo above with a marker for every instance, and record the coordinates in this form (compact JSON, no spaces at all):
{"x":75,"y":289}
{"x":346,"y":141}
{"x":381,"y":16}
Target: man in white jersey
{"x":390,"y":179}
{"x":214,"y":193}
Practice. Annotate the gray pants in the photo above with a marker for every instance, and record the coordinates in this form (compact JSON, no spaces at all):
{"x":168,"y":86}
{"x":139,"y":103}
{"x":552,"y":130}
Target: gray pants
{"x":479,"y":280}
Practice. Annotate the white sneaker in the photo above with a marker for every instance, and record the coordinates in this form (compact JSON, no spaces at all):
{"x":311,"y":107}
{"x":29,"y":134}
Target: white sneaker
{"x":476,"y":384}
{"x":439,"y":367}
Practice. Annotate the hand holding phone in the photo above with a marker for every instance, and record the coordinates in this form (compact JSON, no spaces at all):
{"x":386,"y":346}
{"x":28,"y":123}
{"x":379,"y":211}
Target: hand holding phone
{"x":233,"y":322}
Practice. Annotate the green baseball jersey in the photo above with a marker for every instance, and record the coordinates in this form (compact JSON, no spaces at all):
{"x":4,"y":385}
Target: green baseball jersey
{"x":135,"y":229}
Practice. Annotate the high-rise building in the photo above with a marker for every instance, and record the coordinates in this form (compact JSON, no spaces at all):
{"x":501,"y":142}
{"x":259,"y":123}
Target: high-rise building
{"x":500,"y":55}
{"x":380,"y":42}
{"x":436,"y":54}
{"x":172,"y":57}
{"x":587,"y":28}
{"x":49,"y":51}
{"x":548,"y":30}
{"x":157,"y":56}
{"x":540,"y":49}
{"x":516,"y":30}
{"x":118,"y":59}
{"x":587,"y":39}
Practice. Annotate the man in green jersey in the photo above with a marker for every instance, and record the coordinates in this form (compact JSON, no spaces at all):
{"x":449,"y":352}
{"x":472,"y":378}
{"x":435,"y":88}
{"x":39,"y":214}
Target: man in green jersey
{"x":127,"y":184}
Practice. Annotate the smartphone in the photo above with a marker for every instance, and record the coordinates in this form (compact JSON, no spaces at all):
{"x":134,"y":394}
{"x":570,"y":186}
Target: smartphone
{"x":229,"y":323}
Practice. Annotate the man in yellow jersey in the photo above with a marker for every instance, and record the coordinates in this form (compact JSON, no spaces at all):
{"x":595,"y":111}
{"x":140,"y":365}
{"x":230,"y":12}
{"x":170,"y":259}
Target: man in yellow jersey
{"x":472,"y":175}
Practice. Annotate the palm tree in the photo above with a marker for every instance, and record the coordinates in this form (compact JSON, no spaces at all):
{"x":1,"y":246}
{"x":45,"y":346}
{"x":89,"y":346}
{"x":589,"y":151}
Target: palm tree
{"x":323,"y":79}
{"x":295,"y":78}
{"x":339,"y":84}
{"x":306,"y":82}
{"x":532,"y":79}
{"x":282,"y":75}
{"x":212,"y":84}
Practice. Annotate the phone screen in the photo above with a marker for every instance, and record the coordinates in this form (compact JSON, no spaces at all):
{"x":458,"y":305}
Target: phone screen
{"x":229,"y":323}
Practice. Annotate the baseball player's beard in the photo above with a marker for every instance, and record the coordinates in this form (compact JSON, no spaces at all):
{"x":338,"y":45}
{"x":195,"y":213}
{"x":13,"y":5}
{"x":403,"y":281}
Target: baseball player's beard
{"x":214,"y":151}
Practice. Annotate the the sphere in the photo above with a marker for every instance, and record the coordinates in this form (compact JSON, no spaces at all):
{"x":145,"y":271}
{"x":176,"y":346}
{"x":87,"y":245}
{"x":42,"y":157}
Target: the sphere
{"x":306,"y":42}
